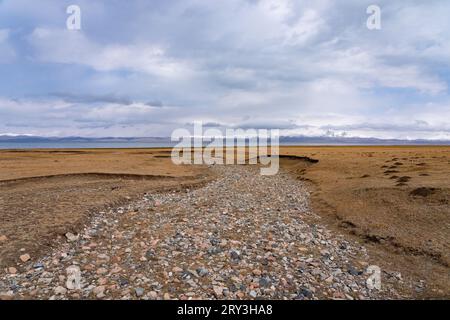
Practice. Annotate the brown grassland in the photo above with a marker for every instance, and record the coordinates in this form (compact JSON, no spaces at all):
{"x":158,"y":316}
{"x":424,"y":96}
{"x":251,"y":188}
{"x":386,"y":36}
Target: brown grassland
{"x":395,"y":200}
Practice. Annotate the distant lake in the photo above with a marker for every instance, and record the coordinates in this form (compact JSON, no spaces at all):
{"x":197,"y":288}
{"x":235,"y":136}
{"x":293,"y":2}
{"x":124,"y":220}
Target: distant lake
{"x":82,"y":145}
{"x":101,"y":145}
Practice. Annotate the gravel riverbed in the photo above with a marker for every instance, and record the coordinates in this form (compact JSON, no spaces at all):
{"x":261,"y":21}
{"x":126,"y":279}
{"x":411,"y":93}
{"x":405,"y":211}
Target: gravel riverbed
{"x":242,"y":236}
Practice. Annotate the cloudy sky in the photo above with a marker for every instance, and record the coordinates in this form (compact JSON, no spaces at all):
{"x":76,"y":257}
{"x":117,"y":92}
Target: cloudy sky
{"x":144,"y":68}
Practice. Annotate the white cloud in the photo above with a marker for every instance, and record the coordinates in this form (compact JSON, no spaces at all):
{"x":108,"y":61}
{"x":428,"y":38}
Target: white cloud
{"x":305,"y":28}
{"x":308,"y":66}
{"x":73,"y":47}
{"x":365,"y":70}
{"x":58,"y":117}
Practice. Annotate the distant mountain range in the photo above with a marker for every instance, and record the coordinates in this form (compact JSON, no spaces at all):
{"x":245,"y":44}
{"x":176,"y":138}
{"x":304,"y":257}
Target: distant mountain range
{"x":322,"y":140}
{"x":30,"y":139}
{"x":358,"y":141}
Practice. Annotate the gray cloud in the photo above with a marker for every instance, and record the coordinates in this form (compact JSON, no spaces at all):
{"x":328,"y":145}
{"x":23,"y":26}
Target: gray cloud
{"x":282,"y":125}
{"x":207,"y":124}
{"x":155,"y":103}
{"x":89,"y":98}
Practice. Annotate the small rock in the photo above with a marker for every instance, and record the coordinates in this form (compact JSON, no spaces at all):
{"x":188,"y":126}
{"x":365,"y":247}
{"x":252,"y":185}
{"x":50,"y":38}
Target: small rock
{"x":235,"y":255}
{"x":71,"y":237}
{"x":256,"y":272}
{"x":150,"y":254}
{"x":139,"y":292}
{"x":60,"y":290}
{"x":116,"y":269}
{"x":253,"y":294}
{"x":12,"y":270}
{"x":45,"y":280}
{"x":123,"y":282}
{"x":102,"y":270}
{"x":25,"y":257}
{"x":202,"y":272}
{"x":352,"y":270}
{"x":264,"y":282}
{"x":218,"y":291}
{"x":3,"y":238}
{"x":305,"y":293}
{"x":103,"y":257}
{"x":177,"y":269}
{"x":99,"y":290}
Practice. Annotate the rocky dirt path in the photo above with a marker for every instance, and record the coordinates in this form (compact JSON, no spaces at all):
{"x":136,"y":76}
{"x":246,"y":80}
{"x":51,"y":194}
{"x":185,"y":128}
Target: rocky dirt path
{"x":242,"y":236}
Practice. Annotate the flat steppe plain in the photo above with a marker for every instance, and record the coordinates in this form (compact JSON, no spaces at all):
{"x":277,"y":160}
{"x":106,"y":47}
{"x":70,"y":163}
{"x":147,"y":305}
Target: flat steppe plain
{"x":394,"y":200}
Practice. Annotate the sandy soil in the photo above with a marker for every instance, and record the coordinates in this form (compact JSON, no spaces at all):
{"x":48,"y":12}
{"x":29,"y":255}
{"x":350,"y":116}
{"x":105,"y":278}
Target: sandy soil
{"x":394,"y":199}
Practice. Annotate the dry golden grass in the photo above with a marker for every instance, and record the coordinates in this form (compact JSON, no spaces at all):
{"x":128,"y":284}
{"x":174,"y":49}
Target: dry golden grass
{"x":395,"y":199}
{"x":16,"y":164}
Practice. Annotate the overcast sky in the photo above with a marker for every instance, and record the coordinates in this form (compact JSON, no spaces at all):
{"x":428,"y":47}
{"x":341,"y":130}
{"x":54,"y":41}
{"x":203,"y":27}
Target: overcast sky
{"x":144,"y":68}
